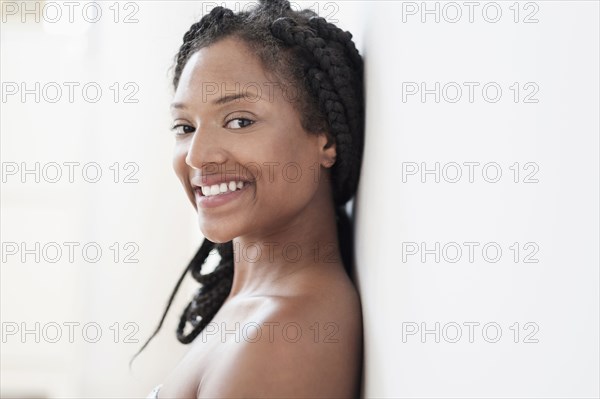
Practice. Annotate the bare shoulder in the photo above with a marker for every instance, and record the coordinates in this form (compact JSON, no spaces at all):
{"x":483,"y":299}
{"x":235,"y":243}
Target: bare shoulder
{"x":307,"y":345}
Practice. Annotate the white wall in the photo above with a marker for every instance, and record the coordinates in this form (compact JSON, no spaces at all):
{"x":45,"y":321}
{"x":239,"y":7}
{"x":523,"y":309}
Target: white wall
{"x":559,"y":214}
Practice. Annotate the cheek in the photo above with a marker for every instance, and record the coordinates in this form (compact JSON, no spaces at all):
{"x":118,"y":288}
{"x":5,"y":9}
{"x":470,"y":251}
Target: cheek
{"x":291,"y":180}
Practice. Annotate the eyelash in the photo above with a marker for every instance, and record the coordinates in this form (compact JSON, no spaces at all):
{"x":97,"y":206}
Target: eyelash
{"x":241,"y":119}
{"x":176,"y":127}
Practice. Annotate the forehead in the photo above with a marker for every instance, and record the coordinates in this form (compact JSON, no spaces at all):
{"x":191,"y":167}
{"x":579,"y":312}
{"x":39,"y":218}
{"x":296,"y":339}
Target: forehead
{"x":226,"y":65}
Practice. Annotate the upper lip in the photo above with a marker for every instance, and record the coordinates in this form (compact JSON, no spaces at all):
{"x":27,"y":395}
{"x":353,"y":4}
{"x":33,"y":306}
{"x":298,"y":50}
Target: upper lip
{"x":209,"y":180}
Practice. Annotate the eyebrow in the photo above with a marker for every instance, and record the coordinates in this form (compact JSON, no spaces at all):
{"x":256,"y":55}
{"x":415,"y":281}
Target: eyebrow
{"x":230,"y":98}
{"x":222,"y":100}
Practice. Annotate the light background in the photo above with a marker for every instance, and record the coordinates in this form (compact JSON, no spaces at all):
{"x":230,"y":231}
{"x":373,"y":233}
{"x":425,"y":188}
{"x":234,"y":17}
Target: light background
{"x":559,"y":213}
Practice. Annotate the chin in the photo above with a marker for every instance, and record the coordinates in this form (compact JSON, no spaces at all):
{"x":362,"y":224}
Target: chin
{"x":218,"y":237}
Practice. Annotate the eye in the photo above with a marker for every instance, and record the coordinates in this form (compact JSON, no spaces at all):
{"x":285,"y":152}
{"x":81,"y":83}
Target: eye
{"x":238,"y":123}
{"x":183,"y":129}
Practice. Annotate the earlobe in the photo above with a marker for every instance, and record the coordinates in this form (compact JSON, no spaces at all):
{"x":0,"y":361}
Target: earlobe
{"x":328,"y":150}
{"x":329,"y":163}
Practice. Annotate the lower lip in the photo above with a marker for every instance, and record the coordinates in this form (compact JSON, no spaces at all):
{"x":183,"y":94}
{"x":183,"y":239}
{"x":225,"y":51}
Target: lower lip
{"x":220,"y":199}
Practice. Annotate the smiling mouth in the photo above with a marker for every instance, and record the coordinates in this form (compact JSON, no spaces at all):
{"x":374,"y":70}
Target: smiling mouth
{"x":217,"y":200}
{"x":220,"y":189}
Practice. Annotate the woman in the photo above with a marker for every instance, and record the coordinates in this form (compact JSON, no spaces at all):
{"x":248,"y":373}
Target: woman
{"x":268,"y":118}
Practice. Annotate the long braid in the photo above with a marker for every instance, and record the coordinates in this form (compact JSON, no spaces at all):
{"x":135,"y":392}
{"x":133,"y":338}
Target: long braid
{"x":345,"y":238}
{"x":332,"y":76}
{"x":209,"y":298}
{"x":356,"y":110}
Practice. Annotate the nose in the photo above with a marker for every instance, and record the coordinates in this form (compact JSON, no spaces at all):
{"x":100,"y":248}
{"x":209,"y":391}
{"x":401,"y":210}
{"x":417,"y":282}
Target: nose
{"x":205,"y":148}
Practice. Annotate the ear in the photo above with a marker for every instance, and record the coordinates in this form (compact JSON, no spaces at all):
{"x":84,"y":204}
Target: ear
{"x":327,"y":149}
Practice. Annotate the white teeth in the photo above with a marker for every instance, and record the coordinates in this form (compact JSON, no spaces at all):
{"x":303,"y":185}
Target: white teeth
{"x":221,"y":188}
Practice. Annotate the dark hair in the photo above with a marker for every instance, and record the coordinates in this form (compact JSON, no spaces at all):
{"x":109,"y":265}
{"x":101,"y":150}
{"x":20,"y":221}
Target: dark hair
{"x":321,"y":61}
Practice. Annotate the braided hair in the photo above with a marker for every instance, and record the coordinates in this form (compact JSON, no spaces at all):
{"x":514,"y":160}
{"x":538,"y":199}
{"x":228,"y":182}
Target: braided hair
{"x":322,"y":62}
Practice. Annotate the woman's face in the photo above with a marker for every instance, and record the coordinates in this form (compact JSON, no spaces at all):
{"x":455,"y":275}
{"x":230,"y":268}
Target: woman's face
{"x":257,"y":139}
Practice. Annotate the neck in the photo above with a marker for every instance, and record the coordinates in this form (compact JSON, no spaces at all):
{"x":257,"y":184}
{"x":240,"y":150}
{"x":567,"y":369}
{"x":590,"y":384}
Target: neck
{"x":265,"y":262}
